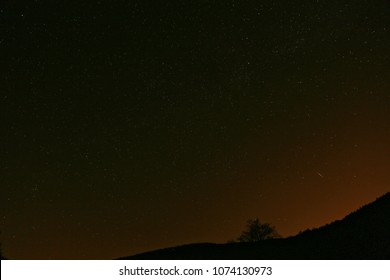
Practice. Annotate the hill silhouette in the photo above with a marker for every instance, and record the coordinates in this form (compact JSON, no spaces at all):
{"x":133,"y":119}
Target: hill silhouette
{"x":363,"y":234}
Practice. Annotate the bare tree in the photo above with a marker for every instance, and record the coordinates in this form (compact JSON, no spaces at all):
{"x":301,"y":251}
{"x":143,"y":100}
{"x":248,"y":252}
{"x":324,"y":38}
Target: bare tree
{"x":257,"y":231}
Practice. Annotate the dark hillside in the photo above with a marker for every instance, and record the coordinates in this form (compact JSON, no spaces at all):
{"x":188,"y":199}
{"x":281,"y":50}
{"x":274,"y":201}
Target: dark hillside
{"x":363,"y":234}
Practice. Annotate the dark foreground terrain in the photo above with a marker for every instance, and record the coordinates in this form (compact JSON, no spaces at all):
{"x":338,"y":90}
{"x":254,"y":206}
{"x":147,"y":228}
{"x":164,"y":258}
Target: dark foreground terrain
{"x":363,"y":234}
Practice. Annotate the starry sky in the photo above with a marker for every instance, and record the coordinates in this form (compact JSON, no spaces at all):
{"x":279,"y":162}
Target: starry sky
{"x":128,"y":126}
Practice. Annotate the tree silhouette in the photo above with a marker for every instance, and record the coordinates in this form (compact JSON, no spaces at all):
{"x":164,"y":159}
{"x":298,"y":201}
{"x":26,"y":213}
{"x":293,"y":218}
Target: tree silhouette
{"x":256,"y":231}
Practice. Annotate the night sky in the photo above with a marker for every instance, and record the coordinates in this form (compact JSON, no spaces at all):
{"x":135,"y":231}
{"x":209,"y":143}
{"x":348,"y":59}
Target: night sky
{"x":128,"y":126}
